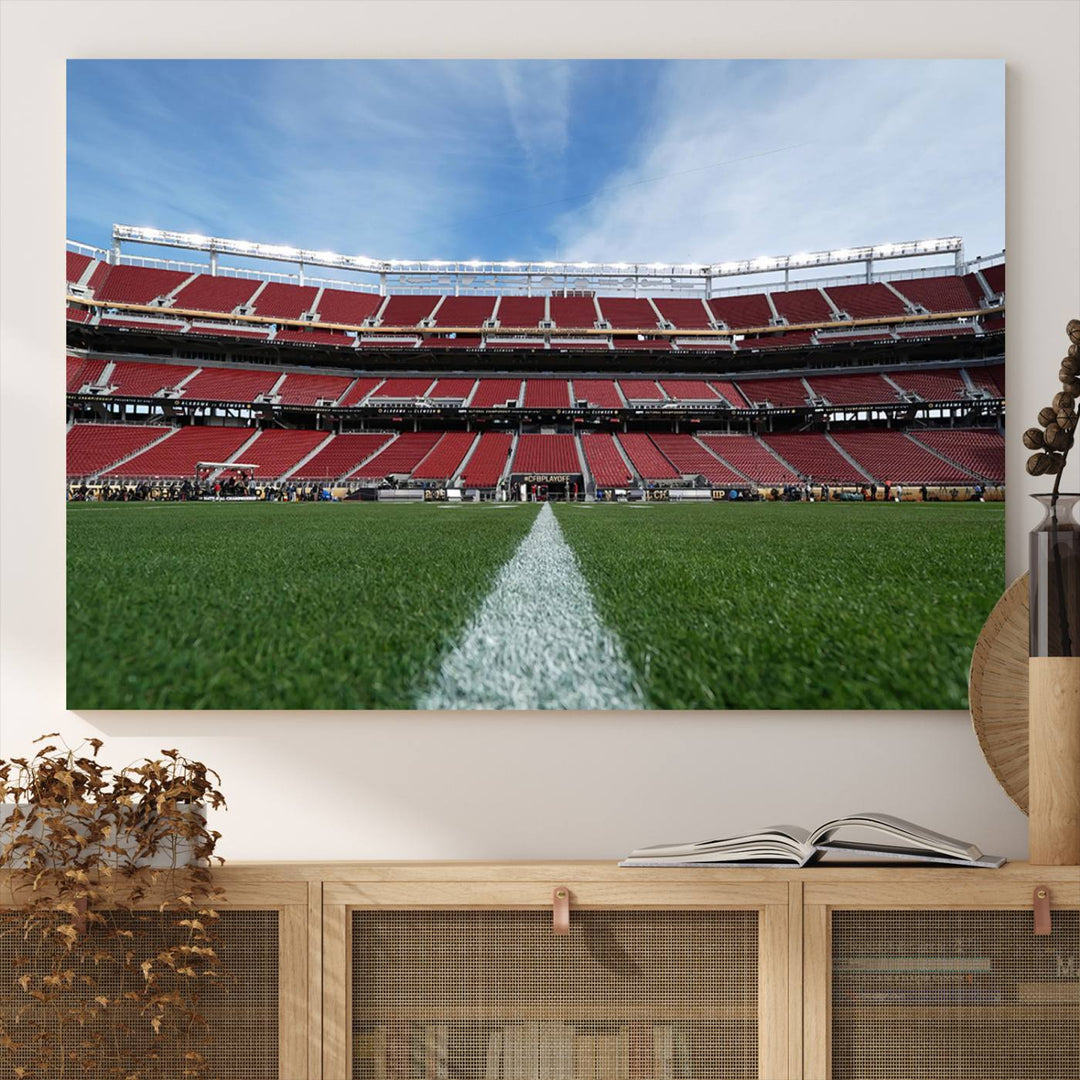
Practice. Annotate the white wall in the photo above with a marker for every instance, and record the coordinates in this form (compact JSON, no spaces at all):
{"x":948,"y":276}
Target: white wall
{"x":409,"y":785}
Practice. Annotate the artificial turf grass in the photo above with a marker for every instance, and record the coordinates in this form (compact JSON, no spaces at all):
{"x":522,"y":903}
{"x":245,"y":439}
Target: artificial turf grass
{"x":282,"y":606}
{"x":794,"y":605}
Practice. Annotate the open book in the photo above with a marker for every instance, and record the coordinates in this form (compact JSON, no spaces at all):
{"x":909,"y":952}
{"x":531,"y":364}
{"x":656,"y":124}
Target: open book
{"x":864,"y":837}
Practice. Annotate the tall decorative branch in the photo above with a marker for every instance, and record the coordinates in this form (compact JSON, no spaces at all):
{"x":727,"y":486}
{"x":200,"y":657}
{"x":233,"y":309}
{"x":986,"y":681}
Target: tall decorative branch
{"x":1052,"y":442}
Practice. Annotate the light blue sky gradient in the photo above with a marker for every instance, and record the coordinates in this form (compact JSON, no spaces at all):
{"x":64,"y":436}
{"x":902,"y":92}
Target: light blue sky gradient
{"x":649,"y":161}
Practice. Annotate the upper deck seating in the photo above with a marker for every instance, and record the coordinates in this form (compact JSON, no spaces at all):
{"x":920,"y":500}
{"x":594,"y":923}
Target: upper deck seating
{"x":341,"y":456}
{"x":137,"y":284}
{"x":802,"y":306}
{"x":465,"y":311}
{"x":627,"y":312}
{"x":76,"y":265}
{"x":995,"y":278}
{"x":400,"y":457}
{"x":546,"y":454}
{"x":407,"y":310}
{"x":487,"y":461}
{"x":74,"y":313}
{"x":648,"y":461}
{"x":547,"y":394}
{"x":94,"y":447}
{"x":179,"y":454}
{"x":573,"y":312}
{"x":346,"y":307}
{"x":211,"y":293}
{"x":604,"y":460}
{"x":684,"y":313}
{"x":521,"y":311}
{"x":868,"y":301}
{"x":284,"y":301}
{"x":751,"y":457}
{"x":691,"y":458}
{"x":946,"y":293}
{"x":741,"y":311}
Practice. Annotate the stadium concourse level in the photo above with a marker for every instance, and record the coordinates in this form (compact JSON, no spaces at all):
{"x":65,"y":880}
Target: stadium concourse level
{"x":116,"y":377}
{"x":127,"y":299}
{"x":953,"y":457}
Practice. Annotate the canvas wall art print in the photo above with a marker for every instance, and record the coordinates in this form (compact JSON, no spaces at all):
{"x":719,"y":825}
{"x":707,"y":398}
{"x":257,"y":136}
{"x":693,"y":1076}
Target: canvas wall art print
{"x":533,"y":384}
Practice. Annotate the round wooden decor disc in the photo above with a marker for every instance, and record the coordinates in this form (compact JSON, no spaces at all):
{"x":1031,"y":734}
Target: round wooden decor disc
{"x":998,"y":691}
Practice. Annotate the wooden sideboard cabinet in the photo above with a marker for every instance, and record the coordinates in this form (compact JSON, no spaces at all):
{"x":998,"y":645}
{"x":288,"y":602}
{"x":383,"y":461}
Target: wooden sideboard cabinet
{"x":425,"y":971}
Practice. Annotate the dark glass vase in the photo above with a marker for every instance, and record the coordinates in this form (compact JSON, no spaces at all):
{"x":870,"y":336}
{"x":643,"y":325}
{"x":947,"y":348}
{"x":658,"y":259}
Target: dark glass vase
{"x":1055,"y":579}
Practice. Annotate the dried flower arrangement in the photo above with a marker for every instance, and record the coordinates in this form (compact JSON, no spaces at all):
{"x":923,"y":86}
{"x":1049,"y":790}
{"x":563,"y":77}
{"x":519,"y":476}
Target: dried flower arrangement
{"x":107,"y":924}
{"x":1053,"y":439}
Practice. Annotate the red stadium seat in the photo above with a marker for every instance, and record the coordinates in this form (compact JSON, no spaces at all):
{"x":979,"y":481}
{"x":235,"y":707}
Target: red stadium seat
{"x":780,"y":393}
{"x":869,"y":301}
{"x":492,"y":393}
{"x":342,"y":455}
{"x":314,"y":336}
{"x":92,"y":448}
{"x":605,"y":462}
{"x":802,"y":306}
{"x":640,"y":390}
{"x":597,"y":393}
{"x":454,"y":390}
{"x":301,"y":388}
{"x":891,"y":455}
{"x":358,"y":391}
{"x":442,"y":462}
{"x":751,"y":457}
{"x":740,"y":312}
{"x":139,"y":284}
{"x":407,"y":310}
{"x":275,"y":451}
{"x":488,"y":460}
{"x":689,"y":390}
{"x":400,"y":457}
{"x":403,"y":389}
{"x":230,"y":384}
{"x":814,"y":456}
{"x":82,"y":371}
{"x":547,"y":394}
{"x":979,"y":451}
{"x":729,"y":392}
{"x":854,"y":389}
{"x":573,"y":312}
{"x":347,"y":308}
{"x":465,"y":311}
{"x":555,"y":454}
{"x":691,"y":458}
{"x":210,"y":293}
{"x":521,"y":311}
{"x":947,"y":293}
{"x":943,"y":384}
{"x":284,"y":301}
{"x":648,"y":461}
{"x":179,"y":454}
{"x":684,"y":314}
{"x":628,"y":313}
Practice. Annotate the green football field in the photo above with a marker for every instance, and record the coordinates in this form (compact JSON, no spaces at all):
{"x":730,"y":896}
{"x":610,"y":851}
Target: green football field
{"x":359,"y":605}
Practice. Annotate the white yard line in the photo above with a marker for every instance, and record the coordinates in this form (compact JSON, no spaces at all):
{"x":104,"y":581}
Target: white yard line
{"x":536,"y":641}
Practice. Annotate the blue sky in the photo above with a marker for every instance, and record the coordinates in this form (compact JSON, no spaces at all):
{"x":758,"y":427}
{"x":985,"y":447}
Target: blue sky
{"x":648,"y":161}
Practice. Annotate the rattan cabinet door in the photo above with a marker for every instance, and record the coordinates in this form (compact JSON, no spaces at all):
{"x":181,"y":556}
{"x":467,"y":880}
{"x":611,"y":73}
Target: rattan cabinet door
{"x":492,"y":993}
{"x":949,"y":991}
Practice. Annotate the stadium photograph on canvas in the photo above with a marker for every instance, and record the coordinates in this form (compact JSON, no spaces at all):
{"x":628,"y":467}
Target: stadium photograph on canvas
{"x":533,"y":384}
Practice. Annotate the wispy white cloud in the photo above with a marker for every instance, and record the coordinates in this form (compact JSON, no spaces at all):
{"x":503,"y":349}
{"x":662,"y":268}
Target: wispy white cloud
{"x":537,"y":96}
{"x":883,"y":150}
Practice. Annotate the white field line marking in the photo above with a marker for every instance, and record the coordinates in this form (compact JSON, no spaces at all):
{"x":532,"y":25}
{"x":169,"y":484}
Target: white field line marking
{"x":536,"y":641}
